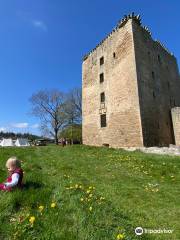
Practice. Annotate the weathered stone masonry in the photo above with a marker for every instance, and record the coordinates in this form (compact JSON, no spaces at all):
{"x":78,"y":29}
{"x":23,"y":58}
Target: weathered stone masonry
{"x":130,"y":83}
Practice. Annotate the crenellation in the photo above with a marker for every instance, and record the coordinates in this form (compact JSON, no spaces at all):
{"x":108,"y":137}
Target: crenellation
{"x":162,"y":45}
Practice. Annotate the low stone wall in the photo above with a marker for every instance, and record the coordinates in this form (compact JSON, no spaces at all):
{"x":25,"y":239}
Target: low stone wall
{"x":172,"y":150}
{"x":176,"y":124}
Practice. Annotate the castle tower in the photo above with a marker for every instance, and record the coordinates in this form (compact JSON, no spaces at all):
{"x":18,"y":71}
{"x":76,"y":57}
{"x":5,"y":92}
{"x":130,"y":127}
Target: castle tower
{"x":130,"y":83}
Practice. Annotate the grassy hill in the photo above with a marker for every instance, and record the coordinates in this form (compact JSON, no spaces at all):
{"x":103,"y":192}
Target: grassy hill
{"x":89,"y":193}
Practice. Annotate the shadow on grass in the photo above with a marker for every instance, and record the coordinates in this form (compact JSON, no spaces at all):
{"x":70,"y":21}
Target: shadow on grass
{"x":30,"y":184}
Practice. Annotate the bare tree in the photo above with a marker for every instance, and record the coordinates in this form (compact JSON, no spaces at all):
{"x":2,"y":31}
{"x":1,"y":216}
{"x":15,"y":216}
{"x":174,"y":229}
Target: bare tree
{"x":73,"y":109}
{"x":49,"y":107}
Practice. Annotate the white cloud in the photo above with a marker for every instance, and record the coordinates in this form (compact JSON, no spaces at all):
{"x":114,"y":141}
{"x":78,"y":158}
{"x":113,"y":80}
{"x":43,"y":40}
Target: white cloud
{"x":35,"y":126}
{"x":20,"y":125}
{"x":3,"y":129}
{"x":39,"y":24}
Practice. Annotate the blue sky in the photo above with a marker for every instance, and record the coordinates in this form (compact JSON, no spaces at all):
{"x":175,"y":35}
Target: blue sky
{"x":42,"y":43}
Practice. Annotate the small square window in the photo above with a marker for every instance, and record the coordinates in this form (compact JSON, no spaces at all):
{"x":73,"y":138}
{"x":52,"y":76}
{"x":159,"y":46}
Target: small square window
{"x":101,"y":60}
{"x":102,"y":97}
{"x":114,"y":55}
{"x":103,"y":120}
{"x":101,"y":77}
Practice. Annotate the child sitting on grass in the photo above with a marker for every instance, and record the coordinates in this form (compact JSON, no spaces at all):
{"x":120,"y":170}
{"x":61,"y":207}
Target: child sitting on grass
{"x":15,"y":177}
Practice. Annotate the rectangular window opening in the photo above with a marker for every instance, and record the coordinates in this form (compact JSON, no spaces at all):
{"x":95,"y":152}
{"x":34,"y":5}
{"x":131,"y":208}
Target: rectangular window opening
{"x":103,"y":120}
{"x":101,"y":77}
{"x":153,"y":75}
{"x":101,"y":60}
{"x":102,"y":97}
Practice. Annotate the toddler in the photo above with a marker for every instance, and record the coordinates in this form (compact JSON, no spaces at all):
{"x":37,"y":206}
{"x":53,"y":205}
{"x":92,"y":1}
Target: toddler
{"x":15,"y":175}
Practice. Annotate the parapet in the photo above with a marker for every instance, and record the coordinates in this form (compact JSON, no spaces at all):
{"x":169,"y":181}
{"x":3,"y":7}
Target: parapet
{"x":120,"y":24}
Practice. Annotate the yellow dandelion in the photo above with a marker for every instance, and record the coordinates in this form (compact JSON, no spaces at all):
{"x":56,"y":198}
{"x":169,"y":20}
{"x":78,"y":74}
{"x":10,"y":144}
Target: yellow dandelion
{"x":76,"y":186}
{"x":82,"y":199}
{"x":53,"y":205}
{"x":101,"y":198}
{"x":120,"y":236}
{"x":41,"y":208}
{"x":32,"y":219}
{"x":90,"y":209}
{"x":90,"y":195}
{"x":88,"y":191}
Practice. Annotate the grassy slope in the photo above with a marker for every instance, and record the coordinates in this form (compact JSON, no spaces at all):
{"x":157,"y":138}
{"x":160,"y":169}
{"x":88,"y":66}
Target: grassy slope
{"x":122,"y":178}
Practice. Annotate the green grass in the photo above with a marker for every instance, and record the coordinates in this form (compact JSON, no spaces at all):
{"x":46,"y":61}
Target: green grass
{"x":139,"y":190}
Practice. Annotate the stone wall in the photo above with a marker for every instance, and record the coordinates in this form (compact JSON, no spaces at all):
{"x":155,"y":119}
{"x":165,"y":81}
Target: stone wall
{"x":176,"y":124}
{"x":121,"y":92}
{"x":159,"y":87}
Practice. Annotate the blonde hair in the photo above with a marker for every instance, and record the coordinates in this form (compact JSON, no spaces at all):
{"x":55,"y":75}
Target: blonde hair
{"x":13,"y":161}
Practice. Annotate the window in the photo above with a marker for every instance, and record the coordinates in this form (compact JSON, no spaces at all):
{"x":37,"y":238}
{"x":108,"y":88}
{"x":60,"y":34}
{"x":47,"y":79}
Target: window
{"x":159,"y":59}
{"x":154,"y":96}
{"x":101,"y":77}
{"x":102,"y":97}
{"x":153,"y":75}
{"x":103,"y":120}
{"x":114,"y":55}
{"x":101,"y":60}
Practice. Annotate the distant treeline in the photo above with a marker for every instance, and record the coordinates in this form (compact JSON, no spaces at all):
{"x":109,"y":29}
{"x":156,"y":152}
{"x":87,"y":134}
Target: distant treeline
{"x":18,"y":135}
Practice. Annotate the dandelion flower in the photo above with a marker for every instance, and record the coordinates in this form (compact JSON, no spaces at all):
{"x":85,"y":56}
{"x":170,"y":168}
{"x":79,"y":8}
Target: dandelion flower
{"x":82,"y":199}
{"x":32,"y":219}
{"x":53,"y":205}
{"x":88,"y":191}
{"x":76,"y":186}
{"x":90,"y":195}
{"x":90,"y":209}
{"x":41,"y":208}
{"x":102,"y":198}
{"x":120,"y":236}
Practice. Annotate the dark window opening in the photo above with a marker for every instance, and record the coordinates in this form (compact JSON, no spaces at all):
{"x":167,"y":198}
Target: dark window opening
{"x":101,"y":60}
{"x":153,"y":75}
{"x":102,"y":97}
{"x":159,"y":59}
{"x":103,"y":120}
{"x":101,"y":77}
{"x":154,"y":95}
{"x":114,"y":55}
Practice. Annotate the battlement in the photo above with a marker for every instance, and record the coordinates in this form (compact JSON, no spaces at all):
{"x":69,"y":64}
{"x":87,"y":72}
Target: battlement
{"x":120,"y":24}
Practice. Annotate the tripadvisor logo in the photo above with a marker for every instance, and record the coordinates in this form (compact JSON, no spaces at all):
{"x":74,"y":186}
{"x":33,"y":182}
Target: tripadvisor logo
{"x":139,"y":231}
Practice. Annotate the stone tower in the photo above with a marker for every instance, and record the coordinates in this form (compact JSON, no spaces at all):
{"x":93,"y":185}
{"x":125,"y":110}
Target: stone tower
{"x":130,"y":84}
